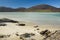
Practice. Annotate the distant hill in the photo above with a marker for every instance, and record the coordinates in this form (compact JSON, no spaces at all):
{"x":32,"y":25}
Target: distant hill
{"x":37,"y":8}
{"x":6,"y":9}
{"x":20,"y":9}
{"x":44,"y":8}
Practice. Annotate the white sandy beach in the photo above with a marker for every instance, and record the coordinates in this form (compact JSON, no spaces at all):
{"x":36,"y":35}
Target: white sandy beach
{"x":13,"y":28}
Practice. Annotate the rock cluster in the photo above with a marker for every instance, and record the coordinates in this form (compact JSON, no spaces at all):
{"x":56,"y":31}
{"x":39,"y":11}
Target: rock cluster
{"x":4,"y":36}
{"x":53,"y":36}
{"x":27,"y":36}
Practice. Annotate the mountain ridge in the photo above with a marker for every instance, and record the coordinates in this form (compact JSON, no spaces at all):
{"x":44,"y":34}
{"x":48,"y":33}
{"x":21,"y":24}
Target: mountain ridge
{"x":36,"y":8}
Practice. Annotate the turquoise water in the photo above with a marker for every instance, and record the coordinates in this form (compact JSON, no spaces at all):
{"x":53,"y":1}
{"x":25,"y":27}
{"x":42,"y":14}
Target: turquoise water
{"x":36,"y":17}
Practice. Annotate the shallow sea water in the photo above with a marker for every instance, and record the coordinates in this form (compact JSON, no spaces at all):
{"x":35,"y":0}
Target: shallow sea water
{"x":52,"y":18}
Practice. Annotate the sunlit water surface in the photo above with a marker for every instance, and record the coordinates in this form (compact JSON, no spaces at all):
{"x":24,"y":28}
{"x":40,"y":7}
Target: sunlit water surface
{"x":51,"y":18}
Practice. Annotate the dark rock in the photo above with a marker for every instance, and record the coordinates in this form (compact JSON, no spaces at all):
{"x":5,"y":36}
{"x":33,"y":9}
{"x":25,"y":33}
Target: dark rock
{"x":26,"y":35}
{"x":32,"y":34}
{"x":7,"y":20}
{"x":21,"y":24}
{"x":17,"y":34}
{"x":21,"y":38}
{"x":1,"y":36}
{"x":36,"y":26}
{"x":38,"y":29}
{"x":53,"y":36}
{"x":2,"y":24}
{"x":8,"y":35}
{"x":45,"y":33}
{"x":4,"y":36}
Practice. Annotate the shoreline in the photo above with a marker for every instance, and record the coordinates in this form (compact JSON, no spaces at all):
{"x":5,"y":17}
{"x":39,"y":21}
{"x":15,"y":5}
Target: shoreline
{"x":25,"y":27}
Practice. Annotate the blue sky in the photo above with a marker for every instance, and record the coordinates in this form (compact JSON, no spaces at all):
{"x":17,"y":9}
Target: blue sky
{"x":28,"y":3}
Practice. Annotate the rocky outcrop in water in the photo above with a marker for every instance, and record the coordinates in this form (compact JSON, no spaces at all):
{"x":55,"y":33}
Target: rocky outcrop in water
{"x":7,"y":20}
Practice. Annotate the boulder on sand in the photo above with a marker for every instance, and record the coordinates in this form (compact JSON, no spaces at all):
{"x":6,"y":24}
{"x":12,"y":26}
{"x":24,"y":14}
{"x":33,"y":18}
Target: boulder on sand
{"x":4,"y":36}
{"x":21,"y":24}
{"x":1,"y":24}
{"x":45,"y":33}
{"x":7,"y":20}
{"x":27,"y":36}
